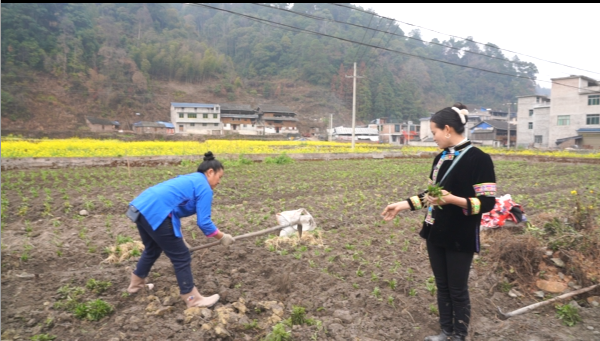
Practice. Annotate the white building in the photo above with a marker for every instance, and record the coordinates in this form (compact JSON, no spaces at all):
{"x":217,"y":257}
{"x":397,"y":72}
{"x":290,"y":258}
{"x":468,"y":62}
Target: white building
{"x":196,"y":118}
{"x":571,"y":116}
{"x":360,"y":134}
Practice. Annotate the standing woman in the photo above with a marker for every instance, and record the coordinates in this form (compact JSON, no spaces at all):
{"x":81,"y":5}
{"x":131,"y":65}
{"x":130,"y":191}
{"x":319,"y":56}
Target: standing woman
{"x":467,"y":175}
{"x":156,"y":213}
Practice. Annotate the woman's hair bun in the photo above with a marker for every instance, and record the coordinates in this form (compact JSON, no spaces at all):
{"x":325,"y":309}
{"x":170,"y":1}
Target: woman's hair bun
{"x":460,"y":106}
{"x":209,"y":156}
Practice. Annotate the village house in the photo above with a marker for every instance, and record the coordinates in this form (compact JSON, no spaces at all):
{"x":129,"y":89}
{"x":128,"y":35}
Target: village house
{"x":278,"y":119}
{"x":360,"y":134}
{"x":493,"y":133}
{"x":145,"y":127}
{"x":569,"y":117}
{"x":101,"y":124}
{"x":242,"y":119}
{"x":196,"y":118}
{"x":393,"y":131}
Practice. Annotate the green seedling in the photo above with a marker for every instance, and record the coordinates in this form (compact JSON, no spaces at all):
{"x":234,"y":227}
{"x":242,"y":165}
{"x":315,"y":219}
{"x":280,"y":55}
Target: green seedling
{"x":568,"y":314}
{"x":43,"y":337}
{"x":97,"y":287}
{"x":93,"y":311}
{"x":392,"y":283}
{"x":376,"y":292}
{"x":279,"y":333}
{"x":433,"y":310}
{"x":435,"y":191}
{"x":298,"y":315}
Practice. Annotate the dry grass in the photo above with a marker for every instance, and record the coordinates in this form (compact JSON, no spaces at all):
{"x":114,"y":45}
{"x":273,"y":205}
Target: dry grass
{"x":122,"y":252}
{"x":518,"y":256}
{"x":315,"y":239}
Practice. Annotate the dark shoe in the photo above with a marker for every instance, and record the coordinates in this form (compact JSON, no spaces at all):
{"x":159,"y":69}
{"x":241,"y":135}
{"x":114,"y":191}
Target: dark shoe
{"x":458,"y":338}
{"x":443,"y":336}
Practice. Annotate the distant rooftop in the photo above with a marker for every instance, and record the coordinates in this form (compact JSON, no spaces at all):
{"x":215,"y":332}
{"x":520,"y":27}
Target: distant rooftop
{"x":192,"y":105}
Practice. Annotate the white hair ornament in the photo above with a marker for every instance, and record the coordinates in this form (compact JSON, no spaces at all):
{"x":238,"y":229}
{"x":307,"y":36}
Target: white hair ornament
{"x":461,"y":113}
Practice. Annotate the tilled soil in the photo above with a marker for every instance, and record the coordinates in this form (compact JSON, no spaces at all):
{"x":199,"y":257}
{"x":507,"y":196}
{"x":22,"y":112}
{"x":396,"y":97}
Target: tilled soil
{"x":369,"y":281}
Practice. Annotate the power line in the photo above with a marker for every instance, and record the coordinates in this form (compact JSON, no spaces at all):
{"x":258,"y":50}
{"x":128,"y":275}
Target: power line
{"x":362,"y":39}
{"x":312,"y":16}
{"x":453,"y":36}
{"x":382,"y":48}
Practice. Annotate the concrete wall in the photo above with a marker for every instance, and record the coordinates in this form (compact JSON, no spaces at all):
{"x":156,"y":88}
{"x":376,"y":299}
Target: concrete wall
{"x":524,"y":134}
{"x":541,"y":126}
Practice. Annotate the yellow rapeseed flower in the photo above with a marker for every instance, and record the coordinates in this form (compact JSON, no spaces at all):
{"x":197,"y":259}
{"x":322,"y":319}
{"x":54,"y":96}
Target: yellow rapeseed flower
{"x":574,"y":192}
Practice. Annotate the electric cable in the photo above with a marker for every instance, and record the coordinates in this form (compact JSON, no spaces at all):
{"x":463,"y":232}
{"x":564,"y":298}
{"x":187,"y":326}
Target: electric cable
{"x":384,"y":48}
{"x":453,"y":36}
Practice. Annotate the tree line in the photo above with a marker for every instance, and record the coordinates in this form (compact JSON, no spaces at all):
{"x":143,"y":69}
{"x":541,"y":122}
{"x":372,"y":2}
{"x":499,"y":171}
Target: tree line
{"x":107,"y":50}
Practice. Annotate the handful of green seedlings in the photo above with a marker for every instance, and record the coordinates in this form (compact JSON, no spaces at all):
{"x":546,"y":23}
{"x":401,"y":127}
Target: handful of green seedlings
{"x":435,"y":191}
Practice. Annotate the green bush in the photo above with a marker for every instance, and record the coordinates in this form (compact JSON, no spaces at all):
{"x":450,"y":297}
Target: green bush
{"x":282,"y":159}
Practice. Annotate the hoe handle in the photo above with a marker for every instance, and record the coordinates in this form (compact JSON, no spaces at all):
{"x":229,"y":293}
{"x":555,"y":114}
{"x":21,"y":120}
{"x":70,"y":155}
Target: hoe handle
{"x":244,"y":236}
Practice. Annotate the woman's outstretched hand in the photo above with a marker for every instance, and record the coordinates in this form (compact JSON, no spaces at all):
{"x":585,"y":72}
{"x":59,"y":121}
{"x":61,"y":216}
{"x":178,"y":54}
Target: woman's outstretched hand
{"x":392,"y":210}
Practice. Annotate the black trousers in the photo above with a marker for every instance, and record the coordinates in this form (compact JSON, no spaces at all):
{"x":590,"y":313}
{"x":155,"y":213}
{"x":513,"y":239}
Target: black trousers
{"x":451,"y":271}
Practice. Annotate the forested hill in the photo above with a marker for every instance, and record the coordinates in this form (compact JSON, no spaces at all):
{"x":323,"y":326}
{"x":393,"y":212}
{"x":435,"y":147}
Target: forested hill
{"x":63,"y":61}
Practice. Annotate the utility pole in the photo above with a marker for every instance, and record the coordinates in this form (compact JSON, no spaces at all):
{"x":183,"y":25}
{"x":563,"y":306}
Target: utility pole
{"x":330,"y":127}
{"x":354,"y":103}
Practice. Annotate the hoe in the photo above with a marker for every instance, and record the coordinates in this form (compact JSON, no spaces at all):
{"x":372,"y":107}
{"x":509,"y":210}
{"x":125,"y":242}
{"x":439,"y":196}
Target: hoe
{"x":254,"y":234}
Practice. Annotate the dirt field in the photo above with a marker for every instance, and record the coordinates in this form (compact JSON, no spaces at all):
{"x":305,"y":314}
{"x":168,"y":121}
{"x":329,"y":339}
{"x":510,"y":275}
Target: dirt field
{"x":367,"y":280}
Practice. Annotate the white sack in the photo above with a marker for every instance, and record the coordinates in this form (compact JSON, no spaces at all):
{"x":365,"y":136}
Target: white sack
{"x":308,"y":223}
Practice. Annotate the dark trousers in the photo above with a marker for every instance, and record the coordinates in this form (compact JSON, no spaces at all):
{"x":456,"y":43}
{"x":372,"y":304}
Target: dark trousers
{"x":451,"y":271}
{"x":164,"y":239}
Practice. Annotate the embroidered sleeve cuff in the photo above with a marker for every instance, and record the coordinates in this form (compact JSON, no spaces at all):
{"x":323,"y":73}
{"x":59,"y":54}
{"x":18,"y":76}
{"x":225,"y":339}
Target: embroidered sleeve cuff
{"x":487,"y":188}
{"x":415,"y":203}
{"x":473,"y":206}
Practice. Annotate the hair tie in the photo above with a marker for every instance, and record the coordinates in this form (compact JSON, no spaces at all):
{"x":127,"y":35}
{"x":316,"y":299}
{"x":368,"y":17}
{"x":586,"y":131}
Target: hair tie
{"x":461,"y":113}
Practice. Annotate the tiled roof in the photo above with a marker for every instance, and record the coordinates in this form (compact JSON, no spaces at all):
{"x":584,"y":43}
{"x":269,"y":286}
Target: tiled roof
{"x":101,"y":121}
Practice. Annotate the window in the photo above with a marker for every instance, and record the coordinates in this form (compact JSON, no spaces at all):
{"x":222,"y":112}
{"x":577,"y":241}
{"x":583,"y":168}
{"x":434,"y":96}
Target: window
{"x":537,"y":139}
{"x":530,"y":112}
{"x":190,"y":115}
{"x":181,"y":128}
{"x":244,"y":125}
{"x":216,"y":124}
{"x":215,"y":115}
{"x":204,"y":124}
{"x":204,"y":115}
{"x":564,"y":120}
{"x":529,"y":125}
{"x":397,"y":128}
{"x":181,"y":115}
{"x":192,"y":124}
{"x":594,"y":100}
{"x":592,"y":119}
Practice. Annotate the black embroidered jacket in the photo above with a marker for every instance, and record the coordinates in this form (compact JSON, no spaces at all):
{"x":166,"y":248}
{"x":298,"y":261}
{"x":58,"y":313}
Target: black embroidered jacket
{"x":472,"y":178}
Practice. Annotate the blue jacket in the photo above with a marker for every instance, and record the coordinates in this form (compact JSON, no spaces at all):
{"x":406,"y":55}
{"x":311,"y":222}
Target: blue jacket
{"x":182,"y":196}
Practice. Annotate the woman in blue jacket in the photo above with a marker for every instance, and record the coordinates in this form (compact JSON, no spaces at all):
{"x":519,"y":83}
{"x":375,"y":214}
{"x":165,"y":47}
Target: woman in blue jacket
{"x":157,"y":211}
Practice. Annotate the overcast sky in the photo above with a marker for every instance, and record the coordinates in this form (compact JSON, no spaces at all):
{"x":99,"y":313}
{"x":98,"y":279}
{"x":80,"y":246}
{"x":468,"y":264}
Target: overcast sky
{"x":562,"y":33}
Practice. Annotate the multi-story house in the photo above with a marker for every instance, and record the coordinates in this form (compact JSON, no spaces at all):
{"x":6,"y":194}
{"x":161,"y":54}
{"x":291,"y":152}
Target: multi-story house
{"x":196,"y":118}
{"x":278,"y":119}
{"x":241,"y":118}
{"x":571,"y":116}
{"x":533,"y":121}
